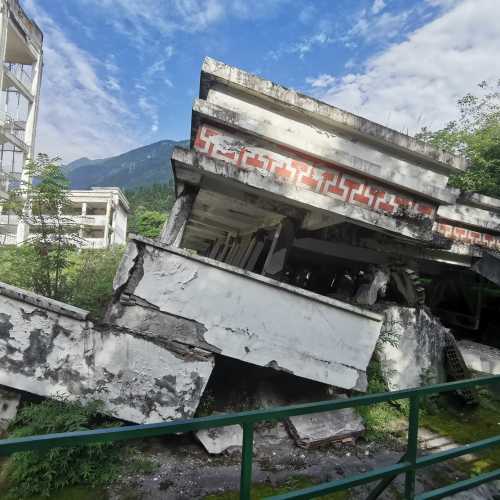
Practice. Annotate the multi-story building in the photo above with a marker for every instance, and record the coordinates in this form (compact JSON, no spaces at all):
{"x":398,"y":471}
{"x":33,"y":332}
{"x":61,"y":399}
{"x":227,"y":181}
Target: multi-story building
{"x":101,"y":214}
{"x":21,"y":62}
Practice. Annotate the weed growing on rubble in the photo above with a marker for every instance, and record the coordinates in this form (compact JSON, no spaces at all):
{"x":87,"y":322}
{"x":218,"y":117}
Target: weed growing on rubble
{"x":42,"y":473}
{"x":382,"y":419}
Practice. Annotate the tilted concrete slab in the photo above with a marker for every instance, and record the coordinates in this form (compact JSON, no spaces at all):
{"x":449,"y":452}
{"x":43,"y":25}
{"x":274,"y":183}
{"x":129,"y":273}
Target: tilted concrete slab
{"x":244,"y":316}
{"x":317,"y":429}
{"x":480,"y":357}
{"x":48,"y":348}
{"x":489,"y":267}
{"x":221,"y":439}
{"x":266,"y":185}
{"x":214,"y":71}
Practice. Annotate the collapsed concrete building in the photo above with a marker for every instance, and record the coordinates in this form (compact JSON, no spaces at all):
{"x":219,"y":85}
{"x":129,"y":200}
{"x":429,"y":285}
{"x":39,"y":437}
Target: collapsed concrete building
{"x":301,"y":236}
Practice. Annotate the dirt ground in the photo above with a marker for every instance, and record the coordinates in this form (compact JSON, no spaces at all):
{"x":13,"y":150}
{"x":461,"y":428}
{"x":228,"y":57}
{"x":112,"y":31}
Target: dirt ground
{"x":183,"y":470}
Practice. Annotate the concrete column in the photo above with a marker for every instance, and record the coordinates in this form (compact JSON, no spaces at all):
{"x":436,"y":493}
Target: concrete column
{"x":30,"y":133}
{"x":173,"y":229}
{"x":107,"y":226}
{"x":280,"y":249}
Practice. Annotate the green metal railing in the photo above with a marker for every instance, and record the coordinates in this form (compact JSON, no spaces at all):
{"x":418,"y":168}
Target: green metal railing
{"x":408,"y":465}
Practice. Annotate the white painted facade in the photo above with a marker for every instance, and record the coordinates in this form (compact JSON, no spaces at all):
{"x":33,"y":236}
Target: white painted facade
{"x":100,"y":213}
{"x":21,"y":63}
{"x":244,"y":316}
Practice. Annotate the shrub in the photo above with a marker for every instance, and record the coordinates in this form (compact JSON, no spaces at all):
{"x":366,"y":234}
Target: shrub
{"x":90,"y":278}
{"x":44,"y":472}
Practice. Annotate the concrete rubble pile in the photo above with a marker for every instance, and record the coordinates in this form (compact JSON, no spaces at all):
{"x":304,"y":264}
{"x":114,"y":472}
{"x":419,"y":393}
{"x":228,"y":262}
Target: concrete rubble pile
{"x":300,"y":236}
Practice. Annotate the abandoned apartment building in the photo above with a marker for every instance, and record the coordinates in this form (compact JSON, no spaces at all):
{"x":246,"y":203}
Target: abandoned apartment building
{"x":301,"y":235}
{"x":21,"y":63}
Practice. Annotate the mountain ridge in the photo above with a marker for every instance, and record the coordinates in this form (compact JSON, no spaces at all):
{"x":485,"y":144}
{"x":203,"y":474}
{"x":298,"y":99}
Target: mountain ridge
{"x":142,"y":166}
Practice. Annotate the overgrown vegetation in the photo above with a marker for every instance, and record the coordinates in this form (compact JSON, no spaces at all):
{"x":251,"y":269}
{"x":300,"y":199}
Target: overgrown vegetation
{"x":87,"y":275}
{"x":381,"y":420}
{"x":90,"y":277}
{"x":150,"y":206}
{"x":468,"y":424}
{"x":476,"y":134}
{"x":45,"y":472}
{"x":41,"y":204}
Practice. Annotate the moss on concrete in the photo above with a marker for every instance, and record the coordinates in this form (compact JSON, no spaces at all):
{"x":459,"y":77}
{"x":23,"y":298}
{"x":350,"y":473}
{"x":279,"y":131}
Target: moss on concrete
{"x":266,"y":490}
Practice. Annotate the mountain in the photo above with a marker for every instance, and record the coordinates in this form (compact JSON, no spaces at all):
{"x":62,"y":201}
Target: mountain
{"x":139,"y":167}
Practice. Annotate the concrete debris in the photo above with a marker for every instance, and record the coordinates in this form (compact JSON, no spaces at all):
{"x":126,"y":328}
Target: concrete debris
{"x":9,"y":403}
{"x":479,"y":357}
{"x":314,"y":430}
{"x":368,"y":293}
{"x":50,"y":353}
{"x":221,"y":439}
{"x":246,"y":317}
{"x":489,"y":267}
{"x":412,"y":348}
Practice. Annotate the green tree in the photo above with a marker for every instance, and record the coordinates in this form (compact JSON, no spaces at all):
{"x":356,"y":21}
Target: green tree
{"x":41,"y":203}
{"x":150,"y":206}
{"x":475,"y":134}
{"x":147,"y":222}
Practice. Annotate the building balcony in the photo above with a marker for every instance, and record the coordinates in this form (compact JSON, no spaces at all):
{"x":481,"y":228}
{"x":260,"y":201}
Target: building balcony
{"x":12,"y":131}
{"x":88,"y":220}
{"x":15,"y":75}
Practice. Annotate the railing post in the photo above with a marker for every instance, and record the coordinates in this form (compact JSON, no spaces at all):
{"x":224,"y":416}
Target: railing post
{"x":246,"y":462}
{"x":412,"y":447}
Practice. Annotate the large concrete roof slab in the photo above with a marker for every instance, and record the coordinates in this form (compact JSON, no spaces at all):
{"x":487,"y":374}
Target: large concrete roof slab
{"x":214,"y":70}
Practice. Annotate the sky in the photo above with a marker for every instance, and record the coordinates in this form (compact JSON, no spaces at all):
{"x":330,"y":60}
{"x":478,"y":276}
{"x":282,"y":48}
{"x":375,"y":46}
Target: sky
{"x":119,"y":74}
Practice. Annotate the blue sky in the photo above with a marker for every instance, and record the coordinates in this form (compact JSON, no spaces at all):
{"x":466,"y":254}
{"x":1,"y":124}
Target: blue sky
{"x":123,"y":73}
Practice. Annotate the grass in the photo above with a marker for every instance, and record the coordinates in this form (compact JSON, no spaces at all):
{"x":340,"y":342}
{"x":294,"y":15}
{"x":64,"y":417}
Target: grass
{"x":267,"y":490}
{"x":466,"y":425}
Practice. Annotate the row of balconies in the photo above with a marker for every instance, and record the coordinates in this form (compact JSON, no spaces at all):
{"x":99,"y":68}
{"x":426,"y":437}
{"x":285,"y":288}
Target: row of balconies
{"x":80,"y":220}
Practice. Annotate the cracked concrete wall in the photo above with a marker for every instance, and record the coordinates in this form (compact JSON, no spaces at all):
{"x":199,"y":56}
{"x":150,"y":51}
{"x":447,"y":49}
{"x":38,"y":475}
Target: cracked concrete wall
{"x":186,"y":298}
{"x":414,"y":356}
{"x":46,"y":352}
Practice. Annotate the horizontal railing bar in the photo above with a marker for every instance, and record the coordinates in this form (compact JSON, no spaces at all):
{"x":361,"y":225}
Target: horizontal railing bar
{"x":459,"y":451}
{"x":9,"y":446}
{"x":466,"y":484}
{"x":343,"y":484}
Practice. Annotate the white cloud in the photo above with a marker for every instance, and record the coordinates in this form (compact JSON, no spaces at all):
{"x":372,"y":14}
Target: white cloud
{"x":377,"y":6}
{"x":321,"y":81}
{"x":79,"y":116}
{"x":385,"y":26}
{"x":143,"y":20}
{"x":150,"y":112}
{"x":112,"y":83}
{"x":417,"y":82}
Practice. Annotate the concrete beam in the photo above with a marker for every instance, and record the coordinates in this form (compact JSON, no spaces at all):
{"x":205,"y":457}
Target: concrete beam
{"x":216,"y":71}
{"x":487,"y":220}
{"x":285,"y":194}
{"x":325,"y":150}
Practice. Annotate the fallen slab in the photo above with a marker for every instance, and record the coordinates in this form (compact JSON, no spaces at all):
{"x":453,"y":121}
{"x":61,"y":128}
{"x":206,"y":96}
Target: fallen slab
{"x":51,"y":349}
{"x":221,"y":439}
{"x":173,"y":294}
{"x":479,"y":357}
{"x":314,"y":430}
